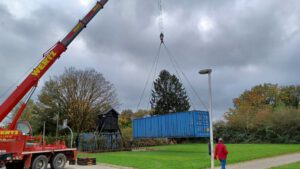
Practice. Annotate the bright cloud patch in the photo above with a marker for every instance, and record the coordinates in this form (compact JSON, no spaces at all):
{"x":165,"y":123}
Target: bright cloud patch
{"x":205,"y":24}
{"x":85,"y":2}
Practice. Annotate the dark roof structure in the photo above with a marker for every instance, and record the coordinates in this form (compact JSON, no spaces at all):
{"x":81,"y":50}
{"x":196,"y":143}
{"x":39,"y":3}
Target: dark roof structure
{"x":108,"y":121}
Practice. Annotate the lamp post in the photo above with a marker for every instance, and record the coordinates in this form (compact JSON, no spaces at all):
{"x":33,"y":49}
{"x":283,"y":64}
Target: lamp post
{"x":208,"y":72}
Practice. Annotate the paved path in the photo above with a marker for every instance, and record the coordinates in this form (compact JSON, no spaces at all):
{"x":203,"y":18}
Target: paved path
{"x":264,"y":163}
{"x":98,"y":166}
{"x":267,"y":163}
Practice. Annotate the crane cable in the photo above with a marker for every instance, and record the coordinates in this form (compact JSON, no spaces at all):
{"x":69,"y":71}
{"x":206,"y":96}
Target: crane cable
{"x":176,"y":70}
{"x":173,"y":61}
{"x":161,"y":19}
{"x":154,"y":66}
{"x":175,"y":64}
{"x":154,"y":74}
{"x":20,"y":78}
{"x":156,"y":59}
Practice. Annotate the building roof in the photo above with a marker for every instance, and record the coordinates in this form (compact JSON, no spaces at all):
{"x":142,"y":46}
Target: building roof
{"x":108,"y":111}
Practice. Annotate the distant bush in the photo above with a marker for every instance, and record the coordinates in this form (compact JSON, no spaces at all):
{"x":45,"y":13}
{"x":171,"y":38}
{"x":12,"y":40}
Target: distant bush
{"x":151,"y":142}
{"x":127,"y":136}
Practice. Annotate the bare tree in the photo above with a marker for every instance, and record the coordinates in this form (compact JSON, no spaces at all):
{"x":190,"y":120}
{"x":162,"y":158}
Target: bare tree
{"x":78,"y":95}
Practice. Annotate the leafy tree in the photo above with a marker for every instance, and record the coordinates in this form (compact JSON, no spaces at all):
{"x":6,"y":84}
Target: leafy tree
{"x":77,"y":95}
{"x":142,"y":113}
{"x":246,"y":106}
{"x":29,"y":114}
{"x":125,"y":122}
{"x":290,"y":96}
{"x":265,"y":113}
{"x":125,"y":118}
{"x":168,"y":95}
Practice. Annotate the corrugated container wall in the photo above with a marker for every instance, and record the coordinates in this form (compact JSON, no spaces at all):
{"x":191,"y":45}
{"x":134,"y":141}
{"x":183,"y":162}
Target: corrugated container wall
{"x":175,"y":125}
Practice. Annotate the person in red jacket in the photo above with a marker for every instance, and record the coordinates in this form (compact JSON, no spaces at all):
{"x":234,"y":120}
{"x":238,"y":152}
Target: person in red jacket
{"x":221,"y":153}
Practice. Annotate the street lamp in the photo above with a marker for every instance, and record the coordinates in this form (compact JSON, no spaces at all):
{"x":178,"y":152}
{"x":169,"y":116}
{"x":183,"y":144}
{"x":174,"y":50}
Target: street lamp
{"x":204,"y":72}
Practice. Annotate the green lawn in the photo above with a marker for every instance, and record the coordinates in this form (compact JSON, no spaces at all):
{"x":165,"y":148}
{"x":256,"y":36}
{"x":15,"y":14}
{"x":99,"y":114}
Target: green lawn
{"x":192,"y":156}
{"x":289,"y":166}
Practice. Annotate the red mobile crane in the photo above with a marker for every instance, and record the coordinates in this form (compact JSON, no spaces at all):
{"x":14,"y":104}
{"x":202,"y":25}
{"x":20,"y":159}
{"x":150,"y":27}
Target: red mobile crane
{"x":19,"y":150}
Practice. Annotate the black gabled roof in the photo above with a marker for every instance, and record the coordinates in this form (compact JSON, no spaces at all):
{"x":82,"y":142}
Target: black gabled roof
{"x":108,"y":111}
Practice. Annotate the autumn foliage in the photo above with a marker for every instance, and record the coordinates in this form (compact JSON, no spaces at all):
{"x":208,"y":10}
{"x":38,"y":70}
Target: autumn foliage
{"x":266,"y":113}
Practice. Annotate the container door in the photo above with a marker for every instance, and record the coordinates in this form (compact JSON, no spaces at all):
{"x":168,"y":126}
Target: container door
{"x":201,"y":124}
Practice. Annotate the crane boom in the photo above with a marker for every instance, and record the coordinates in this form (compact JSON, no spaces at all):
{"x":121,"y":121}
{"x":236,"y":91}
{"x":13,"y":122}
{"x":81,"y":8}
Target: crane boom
{"x":49,"y":58}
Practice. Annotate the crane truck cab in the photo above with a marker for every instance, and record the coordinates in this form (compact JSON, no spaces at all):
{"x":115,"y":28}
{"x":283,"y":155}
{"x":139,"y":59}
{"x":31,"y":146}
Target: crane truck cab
{"x":24,"y":127}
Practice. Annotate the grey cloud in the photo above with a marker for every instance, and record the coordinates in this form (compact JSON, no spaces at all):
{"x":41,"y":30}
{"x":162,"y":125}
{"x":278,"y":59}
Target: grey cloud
{"x":251,"y":42}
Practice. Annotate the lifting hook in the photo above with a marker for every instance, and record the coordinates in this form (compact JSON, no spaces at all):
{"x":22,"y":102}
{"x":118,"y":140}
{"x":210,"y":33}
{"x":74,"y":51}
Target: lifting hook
{"x":162,"y":37}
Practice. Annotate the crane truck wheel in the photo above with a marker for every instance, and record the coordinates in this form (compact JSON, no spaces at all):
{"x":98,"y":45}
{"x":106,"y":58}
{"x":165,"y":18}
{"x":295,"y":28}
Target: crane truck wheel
{"x":58,"y":161}
{"x":40,"y":162}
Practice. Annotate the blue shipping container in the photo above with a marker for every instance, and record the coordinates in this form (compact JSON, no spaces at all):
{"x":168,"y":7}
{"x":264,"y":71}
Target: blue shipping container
{"x":176,"y":125}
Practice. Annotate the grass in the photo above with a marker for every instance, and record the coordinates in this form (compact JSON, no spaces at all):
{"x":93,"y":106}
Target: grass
{"x":192,"y":156}
{"x":289,"y":166}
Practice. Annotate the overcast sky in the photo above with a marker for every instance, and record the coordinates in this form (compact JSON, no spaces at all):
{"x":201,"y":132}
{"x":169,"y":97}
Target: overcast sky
{"x":245,"y":42}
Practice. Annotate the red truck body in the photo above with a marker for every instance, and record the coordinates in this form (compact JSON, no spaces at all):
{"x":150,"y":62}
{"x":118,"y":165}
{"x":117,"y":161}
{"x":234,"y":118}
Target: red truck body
{"x":18,"y":150}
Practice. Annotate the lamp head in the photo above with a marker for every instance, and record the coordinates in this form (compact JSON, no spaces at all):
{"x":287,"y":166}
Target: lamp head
{"x":205,"y":71}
